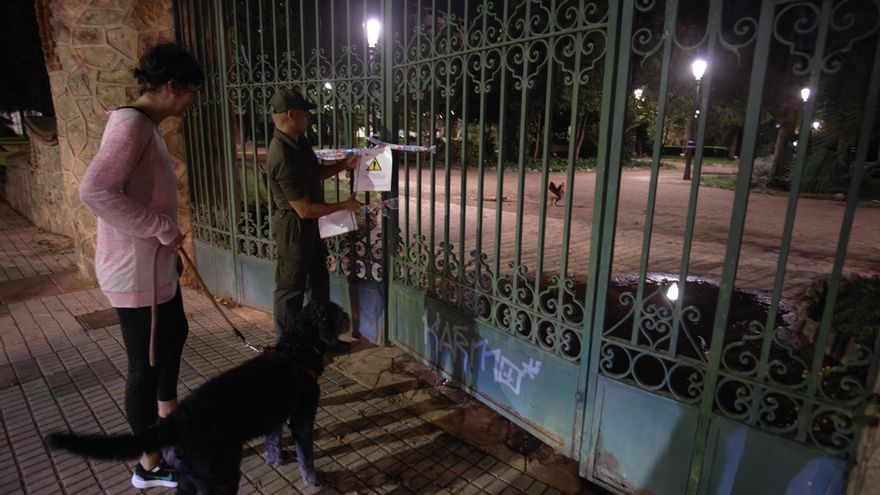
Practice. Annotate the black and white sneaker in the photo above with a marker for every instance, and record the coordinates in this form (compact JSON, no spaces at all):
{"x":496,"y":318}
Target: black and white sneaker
{"x":158,"y":476}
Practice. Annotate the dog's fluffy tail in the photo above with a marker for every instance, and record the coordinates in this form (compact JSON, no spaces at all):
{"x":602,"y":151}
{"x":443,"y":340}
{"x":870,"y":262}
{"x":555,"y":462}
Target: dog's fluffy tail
{"x":116,"y":447}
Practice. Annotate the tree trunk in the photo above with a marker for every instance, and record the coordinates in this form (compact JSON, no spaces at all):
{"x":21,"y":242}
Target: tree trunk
{"x":538,"y":136}
{"x":734,"y":142}
{"x":666,"y":127}
{"x":840,"y":167}
{"x":582,"y":126}
{"x":782,"y":152}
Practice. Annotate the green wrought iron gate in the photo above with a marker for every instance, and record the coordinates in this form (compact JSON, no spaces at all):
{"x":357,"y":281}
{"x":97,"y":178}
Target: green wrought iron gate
{"x":248,"y":49}
{"x":670,"y":336}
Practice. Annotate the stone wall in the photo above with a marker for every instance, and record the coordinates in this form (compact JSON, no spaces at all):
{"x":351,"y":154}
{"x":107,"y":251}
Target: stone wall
{"x":35,"y":187}
{"x":91,"y":47}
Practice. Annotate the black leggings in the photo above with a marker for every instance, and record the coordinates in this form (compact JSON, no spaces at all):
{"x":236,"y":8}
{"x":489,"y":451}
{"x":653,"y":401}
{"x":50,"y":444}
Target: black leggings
{"x":146,"y":385}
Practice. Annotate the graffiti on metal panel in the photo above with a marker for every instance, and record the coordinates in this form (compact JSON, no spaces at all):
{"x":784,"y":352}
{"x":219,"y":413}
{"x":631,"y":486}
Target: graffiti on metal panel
{"x":459,"y":341}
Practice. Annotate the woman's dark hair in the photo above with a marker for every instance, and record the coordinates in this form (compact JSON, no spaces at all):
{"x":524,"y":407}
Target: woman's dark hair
{"x":168,"y":62}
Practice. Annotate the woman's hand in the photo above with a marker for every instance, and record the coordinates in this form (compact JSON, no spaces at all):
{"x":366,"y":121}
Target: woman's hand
{"x":177,"y":243}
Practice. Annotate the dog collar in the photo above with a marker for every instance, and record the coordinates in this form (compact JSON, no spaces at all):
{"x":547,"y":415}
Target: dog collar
{"x":312,"y":373}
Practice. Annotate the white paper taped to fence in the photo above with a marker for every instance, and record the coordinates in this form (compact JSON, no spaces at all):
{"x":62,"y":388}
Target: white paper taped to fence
{"x":337,"y":223}
{"x":374,"y":170}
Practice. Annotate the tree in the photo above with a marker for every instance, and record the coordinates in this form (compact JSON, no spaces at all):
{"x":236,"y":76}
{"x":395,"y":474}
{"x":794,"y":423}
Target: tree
{"x":841,"y":97}
{"x":840,"y":103}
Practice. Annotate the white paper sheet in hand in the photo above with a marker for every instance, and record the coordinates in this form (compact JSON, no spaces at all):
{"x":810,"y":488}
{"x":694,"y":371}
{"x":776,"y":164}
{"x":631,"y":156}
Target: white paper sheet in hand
{"x":337,"y":223}
{"x":374,"y":170}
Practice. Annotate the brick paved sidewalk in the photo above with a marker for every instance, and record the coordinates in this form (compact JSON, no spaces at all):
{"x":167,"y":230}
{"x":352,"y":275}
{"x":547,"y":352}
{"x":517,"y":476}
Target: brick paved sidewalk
{"x":57,"y":375}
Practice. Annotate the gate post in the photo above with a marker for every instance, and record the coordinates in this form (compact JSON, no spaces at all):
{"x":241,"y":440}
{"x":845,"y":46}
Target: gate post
{"x":227,"y":155}
{"x":389,"y":135}
{"x":604,"y":224}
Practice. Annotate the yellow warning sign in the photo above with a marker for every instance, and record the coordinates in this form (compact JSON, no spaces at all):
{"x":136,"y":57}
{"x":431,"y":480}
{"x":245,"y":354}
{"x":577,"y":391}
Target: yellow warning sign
{"x":374,"y":166}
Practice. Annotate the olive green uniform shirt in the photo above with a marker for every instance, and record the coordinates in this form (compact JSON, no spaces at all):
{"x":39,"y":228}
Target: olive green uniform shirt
{"x":294,"y":174}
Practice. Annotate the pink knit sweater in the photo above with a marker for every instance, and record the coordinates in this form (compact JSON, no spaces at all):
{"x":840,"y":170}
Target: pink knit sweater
{"x":132,"y":188}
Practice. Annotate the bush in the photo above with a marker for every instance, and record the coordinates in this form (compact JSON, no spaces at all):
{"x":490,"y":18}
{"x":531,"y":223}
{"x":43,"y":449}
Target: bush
{"x":726,"y":181}
{"x":762,"y":171}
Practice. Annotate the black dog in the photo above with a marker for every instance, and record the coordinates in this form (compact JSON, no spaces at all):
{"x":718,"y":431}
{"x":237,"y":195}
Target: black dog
{"x":203,"y":437}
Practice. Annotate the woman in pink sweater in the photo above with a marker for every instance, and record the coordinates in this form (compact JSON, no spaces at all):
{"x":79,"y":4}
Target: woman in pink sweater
{"x":131,"y":187}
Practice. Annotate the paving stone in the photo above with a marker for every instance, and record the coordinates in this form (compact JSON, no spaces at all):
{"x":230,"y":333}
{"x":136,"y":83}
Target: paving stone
{"x":56,"y":376}
{"x":45,"y":486}
{"x":470,"y":490}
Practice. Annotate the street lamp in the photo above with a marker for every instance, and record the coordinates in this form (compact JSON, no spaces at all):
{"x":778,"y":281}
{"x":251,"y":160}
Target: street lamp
{"x":698,"y":68}
{"x":374,"y":27}
{"x":805,"y":129}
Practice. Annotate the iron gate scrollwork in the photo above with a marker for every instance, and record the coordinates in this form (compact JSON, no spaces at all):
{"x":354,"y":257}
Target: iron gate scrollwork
{"x":250,"y":49}
{"x":528,"y":105}
{"x":479,"y":55}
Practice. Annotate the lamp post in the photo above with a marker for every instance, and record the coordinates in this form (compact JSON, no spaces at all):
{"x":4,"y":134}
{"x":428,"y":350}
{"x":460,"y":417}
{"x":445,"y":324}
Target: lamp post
{"x":638,"y":96}
{"x":698,"y":68}
{"x":373,"y":29}
{"x":805,"y":95}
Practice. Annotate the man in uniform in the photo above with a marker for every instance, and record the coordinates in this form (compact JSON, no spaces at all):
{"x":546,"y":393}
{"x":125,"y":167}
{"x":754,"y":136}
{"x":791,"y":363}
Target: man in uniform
{"x":295,"y":181}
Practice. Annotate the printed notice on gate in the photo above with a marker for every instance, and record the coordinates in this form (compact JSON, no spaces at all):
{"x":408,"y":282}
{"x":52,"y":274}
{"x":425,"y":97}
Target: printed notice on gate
{"x":374,"y":170}
{"x":337,"y":223}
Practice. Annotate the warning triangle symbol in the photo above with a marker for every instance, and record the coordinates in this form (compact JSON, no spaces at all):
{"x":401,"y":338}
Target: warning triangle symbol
{"x":374,"y":166}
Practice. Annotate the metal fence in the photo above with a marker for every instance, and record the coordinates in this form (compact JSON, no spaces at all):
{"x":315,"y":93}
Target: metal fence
{"x":688,"y":321}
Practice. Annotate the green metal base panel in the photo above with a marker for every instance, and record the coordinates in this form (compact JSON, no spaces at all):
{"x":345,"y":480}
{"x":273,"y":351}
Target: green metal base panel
{"x":257,"y":281}
{"x":215,"y":268}
{"x":534,"y":388}
{"x":644,"y":441}
{"x":742,"y":460}
{"x":365,"y":301}
{"x":362,"y":299}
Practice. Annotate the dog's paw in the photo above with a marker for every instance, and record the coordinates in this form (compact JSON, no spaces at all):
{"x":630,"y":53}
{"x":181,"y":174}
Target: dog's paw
{"x":280,"y":459}
{"x":313,"y":477}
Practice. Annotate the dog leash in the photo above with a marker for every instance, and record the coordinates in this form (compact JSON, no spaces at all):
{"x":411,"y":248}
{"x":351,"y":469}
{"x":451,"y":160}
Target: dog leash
{"x":154,"y":309}
{"x":238,"y":333}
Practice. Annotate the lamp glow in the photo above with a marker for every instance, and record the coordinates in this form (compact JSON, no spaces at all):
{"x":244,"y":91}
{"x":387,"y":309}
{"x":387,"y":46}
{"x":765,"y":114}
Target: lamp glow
{"x":805,"y":94}
{"x":699,"y":68}
{"x":374,"y":27}
{"x":672,"y":292}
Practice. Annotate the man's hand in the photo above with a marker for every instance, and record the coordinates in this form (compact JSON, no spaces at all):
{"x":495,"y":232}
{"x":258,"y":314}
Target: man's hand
{"x":352,"y":204}
{"x":351,"y":163}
